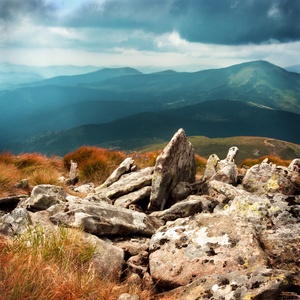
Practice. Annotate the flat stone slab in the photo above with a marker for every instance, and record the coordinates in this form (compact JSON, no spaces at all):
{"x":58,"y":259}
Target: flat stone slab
{"x":105,"y":219}
{"x":201,"y":245}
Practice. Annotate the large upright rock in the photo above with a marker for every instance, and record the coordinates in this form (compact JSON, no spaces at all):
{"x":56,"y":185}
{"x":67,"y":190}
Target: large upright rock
{"x":175,"y":164}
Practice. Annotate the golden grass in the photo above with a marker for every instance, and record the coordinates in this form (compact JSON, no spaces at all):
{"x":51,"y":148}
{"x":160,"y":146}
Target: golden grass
{"x":54,"y":265}
{"x":35,"y":167}
{"x":271,"y":158}
{"x":94,"y":164}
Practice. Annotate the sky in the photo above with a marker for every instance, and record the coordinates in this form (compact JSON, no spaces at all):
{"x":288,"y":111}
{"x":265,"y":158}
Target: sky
{"x":183,"y":35}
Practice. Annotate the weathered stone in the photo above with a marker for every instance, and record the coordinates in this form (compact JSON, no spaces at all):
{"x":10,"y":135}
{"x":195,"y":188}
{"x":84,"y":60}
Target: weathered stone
{"x":85,"y":188}
{"x":105,"y":219}
{"x":180,"y":192}
{"x":39,"y":202}
{"x":117,"y":173}
{"x":185,"y":208}
{"x":134,"y":197}
{"x":15,"y":222}
{"x":260,"y":283}
{"x":294,"y":165}
{"x":10,"y":203}
{"x":126,"y":296}
{"x":108,"y":260}
{"x":204,"y":244}
{"x":211,"y":165}
{"x":175,"y":164}
{"x":73,"y":174}
{"x":56,"y":192}
{"x":128,"y":183}
{"x":227,"y":189}
{"x":267,"y":177}
{"x":228,"y":173}
{"x":22,"y":184}
{"x":131,"y":245}
{"x":138,"y":264}
{"x":223,"y":170}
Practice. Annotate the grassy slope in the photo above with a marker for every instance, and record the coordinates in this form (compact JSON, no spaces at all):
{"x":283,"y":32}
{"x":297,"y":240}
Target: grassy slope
{"x":250,"y":147}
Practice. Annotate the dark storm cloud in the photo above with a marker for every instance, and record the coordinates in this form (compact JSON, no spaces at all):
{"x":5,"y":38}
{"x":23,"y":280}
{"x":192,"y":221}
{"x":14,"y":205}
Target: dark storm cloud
{"x":36,"y":10}
{"x":208,"y":21}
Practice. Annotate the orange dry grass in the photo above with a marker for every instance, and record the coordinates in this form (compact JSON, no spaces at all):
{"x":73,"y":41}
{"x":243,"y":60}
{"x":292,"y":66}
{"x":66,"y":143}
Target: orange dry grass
{"x":200,"y":164}
{"x":94,"y":164}
{"x":147,"y":159}
{"x":40,"y":272}
{"x":271,"y":158}
{"x":36,"y":168}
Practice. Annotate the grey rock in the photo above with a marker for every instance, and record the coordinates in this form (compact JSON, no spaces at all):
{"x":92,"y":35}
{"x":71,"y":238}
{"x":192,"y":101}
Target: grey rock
{"x":223,"y":170}
{"x":180,"y":192}
{"x":227,"y":189}
{"x":267,"y":177}
{"x":175,"y":164}
{"x":23,"y":184}
{"x":131,"y":245}
{"x":105,"y":219}
{"x":259,"y":283}
{"x":108,"y":260}
{"x":185,"y":208}
{"x":128,"y":183}
{"x":85,"y":188}
{"x":15,"y":223}
{"x":122,"y":169}
{"x":56,"y":192}
{"x":211,"y":165}
{"x":201,"y":245}
{"x":39,"y":202}
{"x":134,"y":197}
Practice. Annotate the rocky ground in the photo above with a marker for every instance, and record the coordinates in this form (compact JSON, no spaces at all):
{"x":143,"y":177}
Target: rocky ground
{"x":232,"y":234}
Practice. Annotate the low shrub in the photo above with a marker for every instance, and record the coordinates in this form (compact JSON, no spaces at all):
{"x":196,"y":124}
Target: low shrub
{"x":200,"y":164}
{"x":94,"y":164}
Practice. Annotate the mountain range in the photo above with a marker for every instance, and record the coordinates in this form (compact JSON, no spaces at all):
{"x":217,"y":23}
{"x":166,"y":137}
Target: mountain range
{"x":126,"y":108}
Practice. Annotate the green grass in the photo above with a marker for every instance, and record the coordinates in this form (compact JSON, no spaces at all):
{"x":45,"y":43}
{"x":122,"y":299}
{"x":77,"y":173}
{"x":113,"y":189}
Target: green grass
{"x":249,"y":147}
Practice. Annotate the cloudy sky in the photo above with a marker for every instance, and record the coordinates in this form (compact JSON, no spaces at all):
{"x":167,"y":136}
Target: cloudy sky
{"x":182,"y":35}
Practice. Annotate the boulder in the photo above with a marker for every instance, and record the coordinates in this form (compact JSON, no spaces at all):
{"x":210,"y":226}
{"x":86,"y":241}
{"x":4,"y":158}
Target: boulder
{"x":39,"y":202}
{"x":132,"y":245}
{"x":85,"y":188}
{"x":15,"y":223}
{"x":105,"y":219}
{"x":22,"y":184}
{"x":267,"y":177}
{"x":122,"y":169}
{"x":175,"y":164}
{"x":54,"y":191}
{"x":227,"y":190}
{"x":180,"y":192}
{"x":108,"y":260}
{"x":259,"y":283}
{"x":127,"y":183}
{"x":192,"y":205}
{"x":138,"y":196}
{"x":201,"y":245}
{"x":223,"y":170}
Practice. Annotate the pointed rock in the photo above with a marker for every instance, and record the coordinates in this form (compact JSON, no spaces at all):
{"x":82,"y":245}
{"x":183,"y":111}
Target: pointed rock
{"x":175,"y":164}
